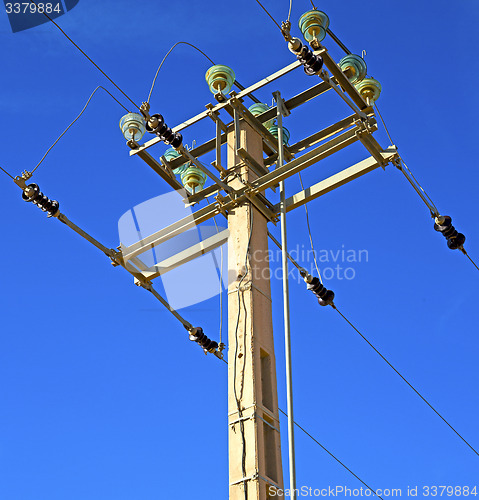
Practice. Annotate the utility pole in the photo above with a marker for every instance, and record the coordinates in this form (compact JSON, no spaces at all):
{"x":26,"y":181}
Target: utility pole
{"x":254,"y":436}
{"x":258,"y":160}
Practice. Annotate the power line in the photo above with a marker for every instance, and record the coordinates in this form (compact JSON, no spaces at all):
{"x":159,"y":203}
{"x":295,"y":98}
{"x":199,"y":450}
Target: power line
{"x":404,"y":379}
{"x":434,"y":210}
{"x":384,"y":124}
{"x":221,"y":281}
{"x":290,"y":9}
{"x":402,"y":161}
{"x":467,"y":255}
{"x":164,"y":59}
{"x":85,"y":54}
{"x":9,"y":175}
{"x":329,"y":453}
{"x":267,"y":12}
{"x":420,"y":187}
{"x":75,"y":120}
{"x":309,"y":231}
{"x":323,"y":447}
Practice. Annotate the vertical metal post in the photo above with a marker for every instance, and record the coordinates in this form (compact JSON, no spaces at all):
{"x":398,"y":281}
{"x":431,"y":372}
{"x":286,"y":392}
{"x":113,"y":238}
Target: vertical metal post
{"x":218,"y":145}
{"x":287,"y":329}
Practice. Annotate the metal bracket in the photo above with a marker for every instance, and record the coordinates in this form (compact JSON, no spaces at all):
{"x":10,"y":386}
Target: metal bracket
{"x":281,"y":103}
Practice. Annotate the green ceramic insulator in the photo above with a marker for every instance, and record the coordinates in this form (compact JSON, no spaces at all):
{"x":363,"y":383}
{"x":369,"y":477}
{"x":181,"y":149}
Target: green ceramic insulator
{"x":313,"y":25}
{"x":286,"y":133}
{"x":354,"y":67}
{"x":133,"y":125}
{"x":370,"y":89}
{"x":258,"y":109}
{"x":170,"y":155}
{"x":220,"y":79}
{"x":193,"y":179}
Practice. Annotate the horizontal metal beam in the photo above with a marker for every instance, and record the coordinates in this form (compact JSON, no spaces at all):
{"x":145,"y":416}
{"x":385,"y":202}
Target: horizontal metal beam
{"x":169,"y":232}
{"x":323,"y":134}
{"x":218,"y":107}
{"x":338,"y":180}
{"x":160,"y":170}
{"x":293,"y":167}
{"x":187,"y":255}
{"x":343,"y":81}
{"x":208,"y":146}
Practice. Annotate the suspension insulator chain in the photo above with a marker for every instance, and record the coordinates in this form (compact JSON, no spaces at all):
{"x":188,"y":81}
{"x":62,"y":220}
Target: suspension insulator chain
{"x":156,"y":125}
{"x":325,"y":296}
{"x":208,"y":345}
{"x":443,"y":224}
{"x":33,"y":194}
{"x":312,"y":63}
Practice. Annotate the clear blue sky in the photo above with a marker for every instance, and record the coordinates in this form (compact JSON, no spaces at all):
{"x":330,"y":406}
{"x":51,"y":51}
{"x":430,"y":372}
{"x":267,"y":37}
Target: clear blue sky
{"x":102,"y":396}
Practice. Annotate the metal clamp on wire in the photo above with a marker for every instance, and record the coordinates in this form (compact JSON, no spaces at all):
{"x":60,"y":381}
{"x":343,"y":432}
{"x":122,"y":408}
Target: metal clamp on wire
{"x":325,"y":296}
{"x":209,"y":346}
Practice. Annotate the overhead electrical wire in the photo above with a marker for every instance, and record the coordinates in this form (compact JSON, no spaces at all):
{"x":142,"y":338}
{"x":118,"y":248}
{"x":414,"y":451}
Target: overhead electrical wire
{"x":473,"y":263}
{"x":221,"y":280}
{"x":406,"y":381}
{"x":164,"y":59}
{"x":290,"y":9}
{"x":433,"y":205}
{"x":324,"y":448}
{"x":387,"y":361}
{"x":407,"y":168}
{"x":330,"y":454}
{"x":85,"y":54}
{"x":309,"y":231}
{"x":270,"y":16}
{"x":9,"y":175}
{"x":75,"y":120}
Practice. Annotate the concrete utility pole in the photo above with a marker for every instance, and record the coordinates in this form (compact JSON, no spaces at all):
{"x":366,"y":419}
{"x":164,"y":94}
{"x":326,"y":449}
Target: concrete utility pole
{"x":254,"y":437}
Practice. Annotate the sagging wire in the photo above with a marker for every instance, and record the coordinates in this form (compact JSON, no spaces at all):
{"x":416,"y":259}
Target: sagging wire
{"x":290,"y":9}
{"x":267,"y":12}
{"x":324,"y":448}
{"x":164,"y":59}
{"x":85,"y":54}
{"x":9,"y":175}
{"x":439,"y":220}
{"x":221,"y":281}
{"x":330,"y":454}
{"x":402,"y":161}
{"x":333,"y":305}
{"x":309,"y":231}
{"x":382,"y":120}
{"x":405,"y":380}
{"x":75,"y":120}
{"x":473,"y":263}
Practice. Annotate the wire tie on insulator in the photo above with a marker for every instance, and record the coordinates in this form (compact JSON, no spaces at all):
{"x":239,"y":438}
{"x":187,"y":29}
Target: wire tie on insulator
{"x":286,"y":30}
{"x":145,"y":110}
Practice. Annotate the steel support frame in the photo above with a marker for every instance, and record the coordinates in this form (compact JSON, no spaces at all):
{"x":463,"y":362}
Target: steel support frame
{"x":251,"y":192}
{"x":339,"y":179}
